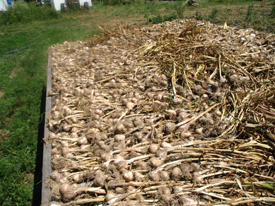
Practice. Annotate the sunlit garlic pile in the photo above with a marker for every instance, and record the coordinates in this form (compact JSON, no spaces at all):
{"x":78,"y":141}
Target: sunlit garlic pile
{"x":177,"y":113}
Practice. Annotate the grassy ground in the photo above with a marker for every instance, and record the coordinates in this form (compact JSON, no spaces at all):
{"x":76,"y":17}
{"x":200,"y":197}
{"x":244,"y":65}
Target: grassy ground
{"x":23,"y":73}
{"x":22,"y":82}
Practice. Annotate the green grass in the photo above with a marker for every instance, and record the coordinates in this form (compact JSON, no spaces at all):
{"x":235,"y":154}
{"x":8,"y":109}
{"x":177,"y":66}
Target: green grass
{"x":207,"y":3}
{"x":23,"y":74}
{"x":22,"y":79}
{"x":253,"y":14}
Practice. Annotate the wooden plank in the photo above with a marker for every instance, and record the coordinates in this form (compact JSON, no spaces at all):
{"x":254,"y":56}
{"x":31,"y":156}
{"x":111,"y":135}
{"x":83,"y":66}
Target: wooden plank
{"x":46,"y":167}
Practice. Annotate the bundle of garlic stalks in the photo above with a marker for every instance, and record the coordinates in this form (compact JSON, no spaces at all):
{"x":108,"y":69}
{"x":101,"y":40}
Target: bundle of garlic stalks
{"x":179,"y":113}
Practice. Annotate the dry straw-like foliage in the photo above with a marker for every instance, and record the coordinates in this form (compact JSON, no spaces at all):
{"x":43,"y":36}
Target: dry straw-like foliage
{"x":180,"y":113}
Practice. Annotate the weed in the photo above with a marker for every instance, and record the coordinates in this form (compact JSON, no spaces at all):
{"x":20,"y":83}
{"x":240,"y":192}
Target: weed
{"x":213,"y":14}
{"x":178,"y":14}
{"x":148,"y":17}
{"x":237,"y":22}
{"x":272,"y":14}
{"x":251,"y":14}
{"x":179,"y":10}
{"x":271,"y":27}
{"x":24,"y":13}
{"x":170,"y":17}
{"x":258,"y":27}
{"x":198,"y":16}
{"x":159,"y":19}
{"x":242,"y":12}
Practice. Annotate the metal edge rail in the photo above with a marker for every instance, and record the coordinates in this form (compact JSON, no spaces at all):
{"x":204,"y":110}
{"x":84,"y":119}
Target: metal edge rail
{"x":46,"y":165}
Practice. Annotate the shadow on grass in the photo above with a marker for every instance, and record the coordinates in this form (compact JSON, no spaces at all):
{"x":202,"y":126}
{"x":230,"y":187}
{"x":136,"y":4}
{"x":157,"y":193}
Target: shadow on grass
{"x":37,"y":189}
